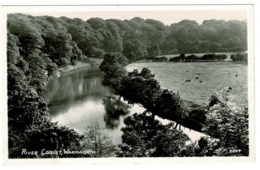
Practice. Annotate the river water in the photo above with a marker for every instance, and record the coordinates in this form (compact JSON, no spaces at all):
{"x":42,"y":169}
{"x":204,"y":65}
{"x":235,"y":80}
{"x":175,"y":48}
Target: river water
{"x":79,"y":98}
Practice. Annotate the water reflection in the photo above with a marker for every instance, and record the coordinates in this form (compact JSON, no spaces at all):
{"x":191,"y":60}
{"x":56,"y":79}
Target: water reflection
{"x":74,"y":89}
{"x":79,"y":99}
{"x":114,"y":109}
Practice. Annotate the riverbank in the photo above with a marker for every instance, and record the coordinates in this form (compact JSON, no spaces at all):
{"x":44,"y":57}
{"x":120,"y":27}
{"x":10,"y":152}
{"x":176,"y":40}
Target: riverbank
{"x":80,"y":65}
{"x":90,"y":63}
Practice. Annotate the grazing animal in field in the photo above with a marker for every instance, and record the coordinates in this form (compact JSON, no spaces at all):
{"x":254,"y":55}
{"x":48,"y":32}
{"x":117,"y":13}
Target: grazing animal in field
{"x":200,"y":81}
{"x":236,"y":75}
{"x":188,"y":80}
{"x":197,"y":77}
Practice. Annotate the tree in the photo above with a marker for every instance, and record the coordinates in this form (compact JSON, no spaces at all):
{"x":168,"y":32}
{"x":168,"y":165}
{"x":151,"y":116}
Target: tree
{"x":124,"y":29}
{"x":114,"y":71}
{"x":96,"y":140}
{"x":154,"y":51}
{"x":228,"y":122}
{"x":134,"y":50}
{"x":12,"y":49}
{"x":29,"y":36}
{"x":239,"y":57}
{"x":121,"y":59}
{"x":16,"y":78}
{"x":143,"y":136}
{"x":140,"y":88}
{"x":88,"y":40}
{"x":113,"y":41}
{"x":205,"y":146}
{"x":58,"y":47}
{"x":97,"y":23}
{"x":169,"y":44}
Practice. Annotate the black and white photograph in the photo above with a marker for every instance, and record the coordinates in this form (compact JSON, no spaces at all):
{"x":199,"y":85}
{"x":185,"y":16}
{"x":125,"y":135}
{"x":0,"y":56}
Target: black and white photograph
{"x":129,"y":82}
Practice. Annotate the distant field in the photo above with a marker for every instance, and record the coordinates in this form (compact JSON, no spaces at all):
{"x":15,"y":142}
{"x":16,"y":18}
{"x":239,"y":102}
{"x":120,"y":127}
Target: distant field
{"x":204,"y":78}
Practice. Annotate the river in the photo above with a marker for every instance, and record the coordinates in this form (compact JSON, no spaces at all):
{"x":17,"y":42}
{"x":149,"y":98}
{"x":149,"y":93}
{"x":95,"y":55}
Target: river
{"x":79,"y":98}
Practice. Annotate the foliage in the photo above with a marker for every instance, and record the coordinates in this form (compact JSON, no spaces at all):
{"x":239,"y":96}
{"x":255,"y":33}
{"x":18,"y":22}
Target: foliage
{"x":141,"y":88}
{"x":136,"y":38}
{"x":96,"y":140}
{"x":29,"y":126}
{"x":194,"y":58}
{"x":239,"y":57}
{"x":38,"y":46}
{"x":205,"y":146}
{"x":115,"y":72}
{"x":143,"y":136}
{"x":134,"y":50}
{"x":227,"y":127}
{"x":153,"y":51}
{"x":228,"y":122}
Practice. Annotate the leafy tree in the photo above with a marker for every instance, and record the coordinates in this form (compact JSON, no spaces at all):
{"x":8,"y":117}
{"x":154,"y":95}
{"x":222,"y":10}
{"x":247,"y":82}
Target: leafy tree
{"x":12,"y":49}
{"x":29,"y":36}
{"x":89,"y":41}
{"x":169,"y":44}
{"x":143,"y":89}
{"x":143,"y":136}
{"x":16,"y":78}
{"x":205,"y":146}
{"x":121,"y":59}
{"x":58,"y":47}
{"x":228,"y":122}
{"x":154,"y":51}
{"x":114,"y":71}
{"x":239,"y":57}
{"x":97,"y":23}
{"x":113,"y":41}
{"x":96,"y":140}
{"x":124,"y":29}
{"x":134,"y":50}
{"x":171,"y":106}
{"x":51,"y":68}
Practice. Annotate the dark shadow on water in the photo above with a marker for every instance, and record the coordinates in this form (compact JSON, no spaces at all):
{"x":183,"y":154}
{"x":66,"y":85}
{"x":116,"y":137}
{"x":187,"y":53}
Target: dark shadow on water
{"x":114,"y":109}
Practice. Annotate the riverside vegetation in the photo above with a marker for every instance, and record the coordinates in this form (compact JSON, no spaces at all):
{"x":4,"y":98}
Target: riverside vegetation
{"x":37,"y":47}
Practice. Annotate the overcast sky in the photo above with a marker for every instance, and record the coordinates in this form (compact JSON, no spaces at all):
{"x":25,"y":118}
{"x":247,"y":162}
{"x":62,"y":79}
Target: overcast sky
{"x":165,"y":14}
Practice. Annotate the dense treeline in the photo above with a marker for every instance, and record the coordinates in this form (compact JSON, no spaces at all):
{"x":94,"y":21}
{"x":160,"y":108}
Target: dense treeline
{"x":136,"y":38}
{"x":39,"y":46}
{"x":206,"y":57}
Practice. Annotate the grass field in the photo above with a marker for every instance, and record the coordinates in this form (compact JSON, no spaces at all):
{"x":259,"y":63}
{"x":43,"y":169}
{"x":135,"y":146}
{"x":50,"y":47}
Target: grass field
{"x":197,"y":81}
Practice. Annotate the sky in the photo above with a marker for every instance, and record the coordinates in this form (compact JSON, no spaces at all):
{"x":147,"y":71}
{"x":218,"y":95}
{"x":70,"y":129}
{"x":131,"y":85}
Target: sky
{"x":165,"y":14}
